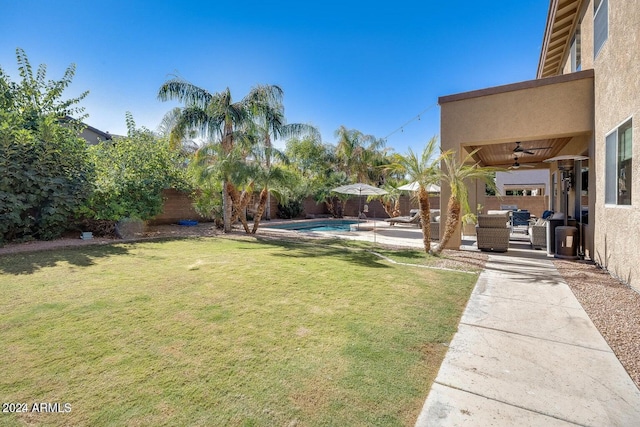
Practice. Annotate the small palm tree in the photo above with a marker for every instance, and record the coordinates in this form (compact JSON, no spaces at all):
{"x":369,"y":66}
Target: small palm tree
{"x":457,"y":174}
{"x":212,"y":162}
{"x":390,"y":201}
{"x":274,"y":175}
{"x":425,"y":170}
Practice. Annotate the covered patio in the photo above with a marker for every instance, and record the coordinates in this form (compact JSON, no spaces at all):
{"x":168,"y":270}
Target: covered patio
{"x":519,"y":126}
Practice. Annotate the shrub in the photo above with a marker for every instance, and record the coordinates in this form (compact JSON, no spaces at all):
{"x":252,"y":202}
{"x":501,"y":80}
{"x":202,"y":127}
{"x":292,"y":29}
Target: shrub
{"x":131,"y":173}
{"x":45,"y":180}
{"x":292,"y":209}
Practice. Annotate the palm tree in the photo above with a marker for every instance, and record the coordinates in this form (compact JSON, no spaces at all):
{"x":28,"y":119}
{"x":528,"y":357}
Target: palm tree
{"x":268,"y":113}
{"x":266,"y":177}
{"x":215,"y":117}
{"x":355,"y":152}
{"x":210,"y":162}
{"x":424,"y":170}
{"x":457,"y":174}
{"x":391,"y":201}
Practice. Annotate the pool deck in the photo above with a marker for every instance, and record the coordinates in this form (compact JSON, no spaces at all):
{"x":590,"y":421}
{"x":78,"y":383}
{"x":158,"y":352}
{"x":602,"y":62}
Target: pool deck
{"x":376,"y":231}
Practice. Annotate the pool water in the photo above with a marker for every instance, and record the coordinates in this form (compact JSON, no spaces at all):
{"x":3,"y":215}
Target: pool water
{"x":312,"y":226}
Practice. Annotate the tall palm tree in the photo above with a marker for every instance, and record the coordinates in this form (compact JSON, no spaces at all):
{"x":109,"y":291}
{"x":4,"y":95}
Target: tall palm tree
{"x":268,"y":113}
{"x":355,"y":152}
{"x":215,"y":116}
{"x":424,"y":170}
{"x":457,"y":174}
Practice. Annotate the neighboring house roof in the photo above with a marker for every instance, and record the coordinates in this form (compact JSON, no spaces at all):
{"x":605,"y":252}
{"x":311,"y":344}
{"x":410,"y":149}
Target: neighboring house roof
{"x":103,"y":135}
{"x":94,"y":136}
{"x":90,"y":134}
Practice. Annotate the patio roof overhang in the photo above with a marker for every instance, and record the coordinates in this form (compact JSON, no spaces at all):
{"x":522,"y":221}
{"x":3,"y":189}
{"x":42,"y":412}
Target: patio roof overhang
{"x":562,"y":20}
{"x":547,"y":112}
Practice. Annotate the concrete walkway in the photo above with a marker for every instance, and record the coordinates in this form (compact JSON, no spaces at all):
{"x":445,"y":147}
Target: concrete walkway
{"x":527,"y":354}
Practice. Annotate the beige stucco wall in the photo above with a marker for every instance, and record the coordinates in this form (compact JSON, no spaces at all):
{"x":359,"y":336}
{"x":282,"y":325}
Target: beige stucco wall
{"x":617,"y":98}
{"x":550,"y":108}
{"x":545,"y":111}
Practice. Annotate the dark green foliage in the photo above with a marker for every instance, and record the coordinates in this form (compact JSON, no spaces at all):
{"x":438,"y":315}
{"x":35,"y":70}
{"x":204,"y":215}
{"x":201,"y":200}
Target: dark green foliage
{"x":44,"y":174}
{"x":291,"y":209}
{"x":44,"y":179}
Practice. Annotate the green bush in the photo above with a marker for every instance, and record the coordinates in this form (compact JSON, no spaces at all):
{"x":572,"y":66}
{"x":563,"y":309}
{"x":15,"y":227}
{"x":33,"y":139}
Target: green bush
{"x":131,"y":173}
{"x":45,"y":177}
{"x":44,"y":174}
{"x":291,"y":209}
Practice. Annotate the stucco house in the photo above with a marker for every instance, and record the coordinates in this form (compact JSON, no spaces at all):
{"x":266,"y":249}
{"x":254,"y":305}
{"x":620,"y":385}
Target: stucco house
{"x":585,"y":101}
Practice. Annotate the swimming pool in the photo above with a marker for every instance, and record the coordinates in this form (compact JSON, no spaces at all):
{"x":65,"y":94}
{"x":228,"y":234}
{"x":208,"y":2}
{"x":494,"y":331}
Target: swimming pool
{"x":316,"y":225}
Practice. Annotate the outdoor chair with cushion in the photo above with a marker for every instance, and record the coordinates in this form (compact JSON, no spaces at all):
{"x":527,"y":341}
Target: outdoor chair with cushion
{"x":520,"y":219}
{"x":435,"y":224}
{"x":538,"y":234}
{"x":492,"y":232}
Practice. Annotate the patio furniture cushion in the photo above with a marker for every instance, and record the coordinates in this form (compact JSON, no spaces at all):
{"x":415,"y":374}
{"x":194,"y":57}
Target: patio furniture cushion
{"x":492,"y":221}
{"x":503,"y":212}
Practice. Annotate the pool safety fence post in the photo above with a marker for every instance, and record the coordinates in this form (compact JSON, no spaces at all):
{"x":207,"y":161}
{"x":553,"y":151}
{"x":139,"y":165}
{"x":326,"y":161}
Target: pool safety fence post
{"x":374,"y":225}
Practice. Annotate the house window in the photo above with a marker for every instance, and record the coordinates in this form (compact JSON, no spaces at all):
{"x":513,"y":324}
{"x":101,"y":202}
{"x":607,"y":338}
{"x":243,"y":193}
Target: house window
{"x":600,"y":25}
{"x":576,"y":53}
{"x":618,"y":165}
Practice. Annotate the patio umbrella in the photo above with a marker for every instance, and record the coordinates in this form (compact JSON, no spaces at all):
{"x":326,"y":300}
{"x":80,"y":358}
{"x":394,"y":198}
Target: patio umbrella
{"x":360,"y":189}
{"x":413,"y":186}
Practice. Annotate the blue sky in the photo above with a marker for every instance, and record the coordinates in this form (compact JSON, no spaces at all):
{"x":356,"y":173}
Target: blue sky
{"x":371,"y":66}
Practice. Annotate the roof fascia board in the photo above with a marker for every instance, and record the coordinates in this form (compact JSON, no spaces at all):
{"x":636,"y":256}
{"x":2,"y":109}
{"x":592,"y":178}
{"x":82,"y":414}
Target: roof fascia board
{"x":528,"y":84}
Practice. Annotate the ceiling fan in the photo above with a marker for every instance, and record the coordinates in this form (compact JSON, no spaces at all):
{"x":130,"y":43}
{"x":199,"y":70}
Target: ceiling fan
{"x":517,"y":165}
{"x":519,"y":149}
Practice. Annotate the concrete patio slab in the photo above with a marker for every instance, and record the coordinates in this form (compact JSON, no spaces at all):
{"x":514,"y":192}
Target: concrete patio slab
{"x":526,"y":353}
{"x":572,"y":383}
{"x":448,"y":406}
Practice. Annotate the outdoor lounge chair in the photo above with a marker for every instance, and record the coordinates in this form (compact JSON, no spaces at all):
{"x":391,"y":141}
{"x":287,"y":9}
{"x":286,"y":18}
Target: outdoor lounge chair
{"x":492,"y":233}
{"x":414,"y":218}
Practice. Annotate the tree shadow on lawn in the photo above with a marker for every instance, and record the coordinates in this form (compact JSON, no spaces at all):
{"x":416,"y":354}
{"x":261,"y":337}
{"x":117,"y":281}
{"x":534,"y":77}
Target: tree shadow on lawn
{"x":30,"y":262}
{"x":310,"y":250}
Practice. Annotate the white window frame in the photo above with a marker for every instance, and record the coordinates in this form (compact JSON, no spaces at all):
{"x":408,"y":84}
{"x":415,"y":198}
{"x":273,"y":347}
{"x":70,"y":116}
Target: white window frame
{"x":598,"y":9}
{"x":576,"y":50}
{"x":611,"y":179}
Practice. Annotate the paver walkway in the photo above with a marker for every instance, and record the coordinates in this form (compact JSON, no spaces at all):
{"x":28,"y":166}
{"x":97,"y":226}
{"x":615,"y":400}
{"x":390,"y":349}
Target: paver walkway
{"x":527,"y":354}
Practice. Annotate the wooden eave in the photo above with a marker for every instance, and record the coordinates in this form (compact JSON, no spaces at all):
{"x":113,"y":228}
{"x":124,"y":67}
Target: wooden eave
{"x":562,"y":19}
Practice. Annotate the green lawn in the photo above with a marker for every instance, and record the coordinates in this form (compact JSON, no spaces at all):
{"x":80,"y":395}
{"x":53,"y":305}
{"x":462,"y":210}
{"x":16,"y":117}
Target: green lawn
{"x":211,"y":332}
